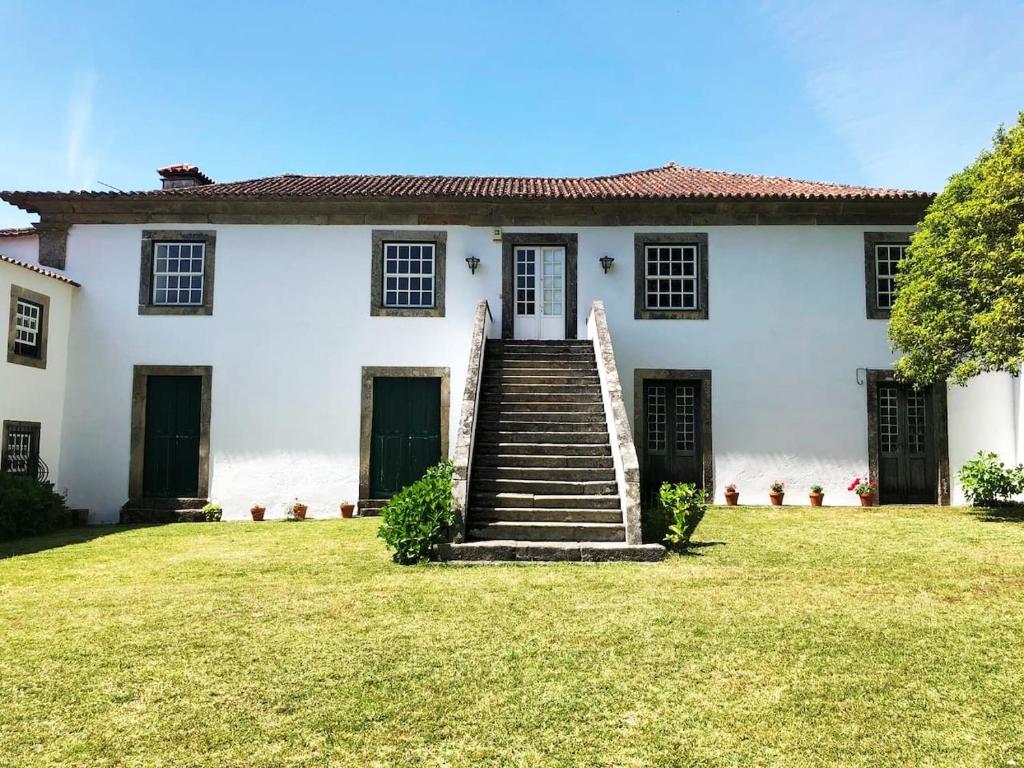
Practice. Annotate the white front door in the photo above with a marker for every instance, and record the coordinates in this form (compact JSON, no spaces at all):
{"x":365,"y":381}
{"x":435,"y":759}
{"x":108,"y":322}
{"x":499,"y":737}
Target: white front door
{"x":540,"y":292}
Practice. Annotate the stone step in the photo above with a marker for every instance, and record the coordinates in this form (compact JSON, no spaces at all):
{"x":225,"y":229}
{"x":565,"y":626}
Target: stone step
{"x":572,"y":487}
{"x":536,"y":552}
{"x":546,"y":531}
{"x":505,"y":424}
{"x":576,"y":363}
{"x":508,"y":436}
{"x":505,"y":472}
{"x":504,"y":345}
{"x":549,"y":515}
{"x":545,"y":407}
{"x":540,"y":449}
{"x":501,"y":389}
{"x":497,"y":413}
{"x":540,"y":461}
{"x":510,"y":377}
{"x":491,"y":500}
{"x":370,"y":507}
{"x":586,"y":398}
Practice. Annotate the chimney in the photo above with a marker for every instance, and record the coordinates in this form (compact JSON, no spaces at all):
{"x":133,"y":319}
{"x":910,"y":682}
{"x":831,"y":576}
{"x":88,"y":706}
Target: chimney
{"x":182,"y":175}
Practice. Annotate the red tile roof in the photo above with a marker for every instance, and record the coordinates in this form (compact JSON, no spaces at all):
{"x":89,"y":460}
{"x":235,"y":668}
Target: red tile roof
{"x":669,"y":182}
{"x":18,"y":232}
{"x":40,"y":270}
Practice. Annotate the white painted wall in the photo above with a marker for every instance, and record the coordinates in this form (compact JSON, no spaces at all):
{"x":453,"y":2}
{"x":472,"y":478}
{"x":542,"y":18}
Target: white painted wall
{"x":23,"y":248}
{"x":34,"y":394}
{"x":291,"y":329}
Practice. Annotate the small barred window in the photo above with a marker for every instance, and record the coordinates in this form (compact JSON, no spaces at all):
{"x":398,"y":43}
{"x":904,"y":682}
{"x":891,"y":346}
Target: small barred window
{"x":178,"y":274}
{"x":887,"y":261}
{"x":671,"y":277}
{"x":28,"y":321}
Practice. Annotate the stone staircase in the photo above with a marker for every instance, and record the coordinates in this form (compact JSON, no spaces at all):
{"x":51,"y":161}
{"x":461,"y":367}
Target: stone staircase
{"x":156,"y":511}
{"x":543,"y":484}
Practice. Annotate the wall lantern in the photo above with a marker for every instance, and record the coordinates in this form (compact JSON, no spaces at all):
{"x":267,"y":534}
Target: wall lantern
{"x":606,"y":263}
{"x":473,"y":263}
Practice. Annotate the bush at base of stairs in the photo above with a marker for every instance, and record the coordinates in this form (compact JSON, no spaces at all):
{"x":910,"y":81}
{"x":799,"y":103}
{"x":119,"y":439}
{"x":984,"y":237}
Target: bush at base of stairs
{"x":28,"y":507}
{"x":418,"y":517}
{"x":685,"y":504}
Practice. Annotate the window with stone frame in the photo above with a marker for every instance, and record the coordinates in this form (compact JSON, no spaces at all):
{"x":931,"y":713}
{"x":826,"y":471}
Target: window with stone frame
{"x":671,"y":275}
{"x":883,"y":254}
{"x":176,"y":273}
{"x":407,"y":276}
{"x":28,"y":327}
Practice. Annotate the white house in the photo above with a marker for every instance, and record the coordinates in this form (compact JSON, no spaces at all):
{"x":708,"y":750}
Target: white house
{"x":312,"y":337}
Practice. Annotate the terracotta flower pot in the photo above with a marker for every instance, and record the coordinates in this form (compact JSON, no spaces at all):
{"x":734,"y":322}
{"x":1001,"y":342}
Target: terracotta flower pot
{"x":816,"y":499}
{"x":347,"y":510}
{"x":732,"y":498}
{"x":257,"y":513}
{"x":299,"y":510}
{"x":777,"y":498}
{"x":867,"y":500}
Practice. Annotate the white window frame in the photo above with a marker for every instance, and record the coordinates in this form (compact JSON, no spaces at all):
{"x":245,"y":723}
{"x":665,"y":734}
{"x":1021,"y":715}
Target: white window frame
{"x":169,"y":275}
{"x":392,"y":254}
{"x":28,"y":328}
{"x":885,"y":285}
{"x":689,"y":253}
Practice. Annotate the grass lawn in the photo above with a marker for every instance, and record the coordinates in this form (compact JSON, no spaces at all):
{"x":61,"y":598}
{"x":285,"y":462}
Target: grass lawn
{"x":797,"y":637}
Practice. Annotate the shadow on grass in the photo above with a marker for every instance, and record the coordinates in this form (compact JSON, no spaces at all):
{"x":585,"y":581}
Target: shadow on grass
{"x":1009,"y":513}
{"x":56,"y":539}
{"x":694,"y":547}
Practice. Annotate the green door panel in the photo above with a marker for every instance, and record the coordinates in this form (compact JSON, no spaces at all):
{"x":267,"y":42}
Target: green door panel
{"x":405,"y":434}
{"x":171,"y":462}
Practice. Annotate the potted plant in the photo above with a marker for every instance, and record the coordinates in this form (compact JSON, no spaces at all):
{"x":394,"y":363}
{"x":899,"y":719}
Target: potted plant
{"x":866,"y":489}
{"x":777,"y":491}
{"x":817,"y":494}
{"x":257,"y":511}
{"x":297,"y":511}
{"x":732,"y":496}
{"x":347,"y":508}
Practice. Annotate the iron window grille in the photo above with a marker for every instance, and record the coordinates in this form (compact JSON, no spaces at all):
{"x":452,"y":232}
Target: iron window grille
{"x":671,"y":277}
{"x":409,"y":270}
{"x":28,"y":324}
{"x":178,"y":273}
{"x":21,"y":449}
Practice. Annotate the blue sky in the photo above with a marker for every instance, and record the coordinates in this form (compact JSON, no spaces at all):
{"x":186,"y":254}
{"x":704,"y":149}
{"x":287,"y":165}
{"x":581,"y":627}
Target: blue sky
{"x":881,"y":93}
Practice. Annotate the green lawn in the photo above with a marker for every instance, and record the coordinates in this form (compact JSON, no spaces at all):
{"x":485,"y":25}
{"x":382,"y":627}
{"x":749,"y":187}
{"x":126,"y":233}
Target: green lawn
{"x":795,"y":638}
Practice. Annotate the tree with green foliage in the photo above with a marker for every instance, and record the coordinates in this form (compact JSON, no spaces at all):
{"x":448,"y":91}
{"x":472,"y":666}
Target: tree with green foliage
{"x":960,"y":292}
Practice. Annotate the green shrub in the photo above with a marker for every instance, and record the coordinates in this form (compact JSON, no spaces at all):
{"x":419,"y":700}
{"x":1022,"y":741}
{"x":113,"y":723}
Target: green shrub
{"x":419,"y":516}
{"x":212,"y":512}
{"x":28,"y":507}
{"x":685,"y":504}
{"x":987,"y":481}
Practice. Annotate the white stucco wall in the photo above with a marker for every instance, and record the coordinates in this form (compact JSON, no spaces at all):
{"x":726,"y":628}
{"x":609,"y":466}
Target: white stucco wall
{"x":291,"y":330}
{"x":34,"y":394}
{"x":22,"y":248}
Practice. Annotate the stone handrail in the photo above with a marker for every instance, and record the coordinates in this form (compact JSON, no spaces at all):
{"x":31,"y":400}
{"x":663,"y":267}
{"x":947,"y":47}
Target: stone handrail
{"x":624,"y":458}
{"x":463,"y":457}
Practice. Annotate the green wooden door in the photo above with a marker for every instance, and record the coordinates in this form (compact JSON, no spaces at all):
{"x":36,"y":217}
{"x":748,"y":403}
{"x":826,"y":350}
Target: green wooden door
{"x":405,"y":434}
{"x":171,"y":464}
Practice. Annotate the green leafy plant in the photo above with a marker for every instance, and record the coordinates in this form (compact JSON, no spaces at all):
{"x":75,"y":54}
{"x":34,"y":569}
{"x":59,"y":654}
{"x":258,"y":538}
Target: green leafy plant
{"x":816,"y":489}
{"x":212,"y":512}
{"x":862,"y":486}
{"x":28,"y":507}
{"x":959,"y":290}
{"x":419,"y":516}
{"x":686,"y":504}
{"x":988,"y":482}
{"x":777,"y":487}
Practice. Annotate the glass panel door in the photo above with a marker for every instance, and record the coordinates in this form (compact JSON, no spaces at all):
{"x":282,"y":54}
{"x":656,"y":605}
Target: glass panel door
{"x":540,"y":292}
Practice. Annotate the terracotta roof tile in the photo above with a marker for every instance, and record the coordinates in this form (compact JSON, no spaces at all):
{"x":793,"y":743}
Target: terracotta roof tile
{"x":40,"y":270}
{"x":18,"y":232}
{"x":669,"y":182}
